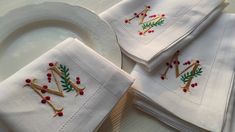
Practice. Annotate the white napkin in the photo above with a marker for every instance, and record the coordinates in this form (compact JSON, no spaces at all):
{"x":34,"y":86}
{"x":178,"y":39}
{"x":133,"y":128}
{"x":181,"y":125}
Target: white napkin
{"x":196,"y":83}
{"x":75,"y":67}
{"x":169,"y":25}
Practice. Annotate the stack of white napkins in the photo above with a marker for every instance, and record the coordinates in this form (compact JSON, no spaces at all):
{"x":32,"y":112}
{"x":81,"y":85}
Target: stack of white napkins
{"x":191,"y":90}
{"x":70,"y":88}
{"x":151,"y":30}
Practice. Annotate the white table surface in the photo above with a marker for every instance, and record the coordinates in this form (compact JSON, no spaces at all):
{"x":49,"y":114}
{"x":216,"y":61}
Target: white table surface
{"x":124,"y":117}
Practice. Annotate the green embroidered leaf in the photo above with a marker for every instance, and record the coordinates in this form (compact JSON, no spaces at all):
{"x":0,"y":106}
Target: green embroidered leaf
{"x":190,"y":75}
{"x":65,"y":78}
{"x":152,"y":24}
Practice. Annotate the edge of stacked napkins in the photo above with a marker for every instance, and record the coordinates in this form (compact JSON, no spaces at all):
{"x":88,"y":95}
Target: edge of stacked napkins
{"x":191,"y":90}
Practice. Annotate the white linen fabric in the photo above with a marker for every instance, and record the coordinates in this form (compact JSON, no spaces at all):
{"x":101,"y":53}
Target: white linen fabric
{"x":21,"y":109}
{"x":198,"y":98}
{"x":169,"y":25}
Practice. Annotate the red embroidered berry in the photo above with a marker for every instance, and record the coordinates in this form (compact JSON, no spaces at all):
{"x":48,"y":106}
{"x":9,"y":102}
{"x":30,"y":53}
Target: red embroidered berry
{"x":185,"y":90}
{"x":48,"y":74}
{"x":28,"y":81}
{"x":195,"y":84}
{"x":148,"y":7}
{"x":51,"y":64}
{"x":135,"y":14}
{"x":152,"y":31}
{"x":178,"y":62}
{"x":174,"y":62}
{"x":78,"y":82}
{"x":163,"y":15}
{"x":43,"y":101}
{"x":198,"y":61}
{"x":167,"y":64}
{"x":171,"y":66}
{"x":60,"y":113}
{"x":47,"y":97}
{"x":162,"y":77}
{"x":126,"y":21}
{"x":140,"y":33}
{"x":188,"y":62}
{"x":49,"y":78}
{"x":77,"y":78}
{"x":45,"y":86}
{"x":178,"y":51}
{"x":81,"y":92}
{"x":149,"y":31}
{"x":43,"y":91}
{"x":142,"y":14}
{"x":192,"y":85}
{"x":145,"y":15}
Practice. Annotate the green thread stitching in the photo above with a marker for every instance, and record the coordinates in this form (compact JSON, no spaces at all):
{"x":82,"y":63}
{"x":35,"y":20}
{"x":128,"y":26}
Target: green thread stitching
{"x":190,"y":75}
{"x":65,"y":78}
{"x":152,"y":24}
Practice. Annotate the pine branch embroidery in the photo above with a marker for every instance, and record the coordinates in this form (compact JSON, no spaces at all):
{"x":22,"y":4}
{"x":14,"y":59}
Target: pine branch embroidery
{"x":186,"y":77}
{"x":155,"y":20}
{"x":65,"y":78}
{"x":190,"y":75}
{"x":152,"y":24}
{"x":63,"y":72}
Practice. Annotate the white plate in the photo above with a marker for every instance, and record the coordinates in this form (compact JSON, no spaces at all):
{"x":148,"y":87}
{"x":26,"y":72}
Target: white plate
{"x":28,"y":32}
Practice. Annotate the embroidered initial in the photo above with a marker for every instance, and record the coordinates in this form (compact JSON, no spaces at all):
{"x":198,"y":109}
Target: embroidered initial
{"x":186,"y":77}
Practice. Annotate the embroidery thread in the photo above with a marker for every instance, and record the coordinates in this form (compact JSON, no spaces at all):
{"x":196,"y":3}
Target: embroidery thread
{"x":147,"y":25}
{"x":63,"y":72}
{"x":185,"y":76}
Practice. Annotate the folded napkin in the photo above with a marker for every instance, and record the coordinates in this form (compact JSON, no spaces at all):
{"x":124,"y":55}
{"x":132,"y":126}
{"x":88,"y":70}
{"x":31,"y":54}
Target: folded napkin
{"x":70,"y":88}
{"x":191,"y":90}
{"x":149,"y":31}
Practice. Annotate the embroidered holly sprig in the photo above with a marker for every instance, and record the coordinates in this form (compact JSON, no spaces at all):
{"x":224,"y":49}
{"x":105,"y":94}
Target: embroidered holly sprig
{"x":157,"y":20}
{"x":65,"y":78}
{"x":190,"y":75}
{"x":186,"y":76}
{"x":154,"y":20}
{"x":152,"y":24}
{"x":68,"y":85}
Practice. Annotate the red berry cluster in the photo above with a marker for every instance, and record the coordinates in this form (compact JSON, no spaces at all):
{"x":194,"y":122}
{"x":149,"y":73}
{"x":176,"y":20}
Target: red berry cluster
{"x":49,"y":77}
{"x":176,"y":62}
{"x":187,"y":63}
{"x":78,"y":80}
{"x":45,"y":99}
{"x":49,"y":74}
{"x":194,"y":85}
{"x":169,"y":65}
{"x":150,"y":31}
{"x":44,"y":87}
{"x":153,"y":16}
